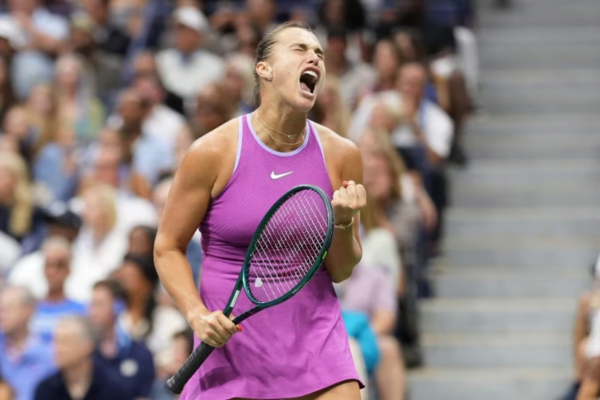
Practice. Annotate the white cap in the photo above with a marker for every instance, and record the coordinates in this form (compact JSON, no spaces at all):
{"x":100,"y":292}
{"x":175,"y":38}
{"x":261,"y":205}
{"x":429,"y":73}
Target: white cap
{"x":191,"y":17}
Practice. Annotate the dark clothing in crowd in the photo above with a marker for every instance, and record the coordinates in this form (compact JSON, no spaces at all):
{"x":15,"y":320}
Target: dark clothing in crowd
{"x":103,"y":387}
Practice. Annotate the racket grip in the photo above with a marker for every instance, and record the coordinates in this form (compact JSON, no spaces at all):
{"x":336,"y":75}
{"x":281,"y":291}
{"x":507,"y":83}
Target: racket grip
{"x":176,"y":383}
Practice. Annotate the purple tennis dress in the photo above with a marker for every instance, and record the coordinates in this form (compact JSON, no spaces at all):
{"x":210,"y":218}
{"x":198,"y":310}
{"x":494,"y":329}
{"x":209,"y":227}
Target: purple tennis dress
{"x":289,"y":350}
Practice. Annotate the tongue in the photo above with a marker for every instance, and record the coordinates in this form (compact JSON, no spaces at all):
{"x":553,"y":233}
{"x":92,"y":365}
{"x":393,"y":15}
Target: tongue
{"x":304,"y":87}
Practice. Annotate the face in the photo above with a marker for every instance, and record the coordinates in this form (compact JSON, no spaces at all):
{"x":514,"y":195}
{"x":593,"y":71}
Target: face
{"x":70,"y":347}
{"x":101,"y":311}
{"x":209,"y":114}
{"x":96,"y":10}
{"x":327,"y":98}
{"x":382,"y":118}
{"x":14,"y":314}
{"x":260,"y":10}
{"x":377,"y":178}
{"x":144,"y":64}
{"x":411,"y":81}
{"x":336,"y":47}
{"x":56,"y":268}
{"x":335,"y":11}
{"x":15,"y":123}
{"x":186,"y":39}
{"x":40,"y":99}
{"x":131,"y":110}
{"x":132,"y":278}
{"x":386,"y":59}
{"x":139,"y":242}
{"x":297,"y":68}
{"x":234,"y":81}
{"x":106,"y":167}
{"x":67,"y":72}
{"x":67,"y":232}
{"x":94,"y":212}
{"x":24,"y":6}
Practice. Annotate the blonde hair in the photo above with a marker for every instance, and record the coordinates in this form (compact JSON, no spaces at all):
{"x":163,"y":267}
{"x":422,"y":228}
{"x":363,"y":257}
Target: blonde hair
{"x":341,"y":112}
{"x":386,"y":151}
{"x":20,"y":217}
{"x":107,"y":196}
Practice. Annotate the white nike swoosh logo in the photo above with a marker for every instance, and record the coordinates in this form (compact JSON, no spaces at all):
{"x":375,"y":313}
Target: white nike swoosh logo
{"x":275,"y":176}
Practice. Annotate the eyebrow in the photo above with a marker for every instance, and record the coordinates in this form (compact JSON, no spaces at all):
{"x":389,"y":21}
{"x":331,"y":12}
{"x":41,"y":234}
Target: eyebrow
{"x":304,"y":46}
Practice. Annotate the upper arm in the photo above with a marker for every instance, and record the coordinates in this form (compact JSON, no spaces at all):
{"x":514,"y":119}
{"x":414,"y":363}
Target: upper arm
{"x":190,"y":193}
{"x":590,"y":387}
{"x":581,"y":322}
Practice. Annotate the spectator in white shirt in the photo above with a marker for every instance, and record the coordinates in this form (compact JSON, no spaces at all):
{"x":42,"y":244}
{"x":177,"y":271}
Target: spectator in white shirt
{"x":178,"y":66}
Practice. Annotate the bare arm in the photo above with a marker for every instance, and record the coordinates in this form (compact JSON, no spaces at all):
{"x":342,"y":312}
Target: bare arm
{"x":383,"y":322}
{"x":580,"y":332}
{"x":590,"y":387}
{"x":346,"y":251}
{"x":188,"y":201}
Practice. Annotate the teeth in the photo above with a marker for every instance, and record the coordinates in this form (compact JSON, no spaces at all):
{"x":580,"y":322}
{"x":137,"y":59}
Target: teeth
{"x":311,"y":73}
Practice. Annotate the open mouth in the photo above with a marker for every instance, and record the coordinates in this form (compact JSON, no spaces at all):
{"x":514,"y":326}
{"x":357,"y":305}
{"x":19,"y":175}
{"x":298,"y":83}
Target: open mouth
{"x":308,"y":81}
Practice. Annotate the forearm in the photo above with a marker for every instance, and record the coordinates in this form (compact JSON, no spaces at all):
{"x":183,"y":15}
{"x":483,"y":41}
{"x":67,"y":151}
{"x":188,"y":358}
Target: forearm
{"x":345,"y":252}
{"x":589,"y":390}
{"x":383,"y":322}
{"x":176,"y":276}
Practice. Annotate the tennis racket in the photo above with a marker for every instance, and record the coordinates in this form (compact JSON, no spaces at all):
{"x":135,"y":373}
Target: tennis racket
{"x":286,"y":250}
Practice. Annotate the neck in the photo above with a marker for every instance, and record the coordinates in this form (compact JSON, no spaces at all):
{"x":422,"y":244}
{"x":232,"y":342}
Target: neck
{"x":386,"y":82}
{"x":108,"y":344}
{"x":78,"y":375}
{"x":56,"y":295}
{"x":98,"y":234}
{"x":137,"y":307}
{"x":275,"y":123}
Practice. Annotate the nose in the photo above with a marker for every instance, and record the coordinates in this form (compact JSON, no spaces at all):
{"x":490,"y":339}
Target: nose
{"x":313,"y":58}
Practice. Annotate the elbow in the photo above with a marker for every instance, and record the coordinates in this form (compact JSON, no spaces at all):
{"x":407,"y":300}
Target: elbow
{"x":341,"y":276}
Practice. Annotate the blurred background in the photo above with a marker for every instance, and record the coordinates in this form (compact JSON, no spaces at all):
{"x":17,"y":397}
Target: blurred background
{"x":478,"y":122}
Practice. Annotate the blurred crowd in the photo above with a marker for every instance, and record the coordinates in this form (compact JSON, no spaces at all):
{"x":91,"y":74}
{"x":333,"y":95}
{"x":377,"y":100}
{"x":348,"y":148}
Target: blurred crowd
{"x":100,"y":99}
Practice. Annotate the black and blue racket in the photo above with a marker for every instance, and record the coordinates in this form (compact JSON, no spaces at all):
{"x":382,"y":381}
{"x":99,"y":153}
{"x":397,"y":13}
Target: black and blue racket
{"x":286,"y":250}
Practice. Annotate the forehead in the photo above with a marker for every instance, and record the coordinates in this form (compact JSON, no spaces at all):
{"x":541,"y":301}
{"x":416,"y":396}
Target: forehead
{"x":290,"y":36}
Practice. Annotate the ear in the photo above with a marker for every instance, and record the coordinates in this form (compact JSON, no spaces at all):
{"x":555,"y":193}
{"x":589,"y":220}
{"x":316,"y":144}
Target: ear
{"x":264,"y":71}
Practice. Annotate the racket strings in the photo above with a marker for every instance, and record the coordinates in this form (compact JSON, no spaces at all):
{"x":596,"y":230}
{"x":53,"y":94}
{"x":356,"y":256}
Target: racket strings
{"x":288,"y":246}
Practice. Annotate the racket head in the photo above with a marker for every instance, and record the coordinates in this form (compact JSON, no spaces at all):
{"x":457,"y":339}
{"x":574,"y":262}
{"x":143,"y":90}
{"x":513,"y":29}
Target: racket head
{"x":289,"y":246}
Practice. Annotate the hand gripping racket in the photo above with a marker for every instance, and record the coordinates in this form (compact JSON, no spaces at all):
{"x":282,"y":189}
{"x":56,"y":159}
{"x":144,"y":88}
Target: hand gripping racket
{"x":286,"y":250}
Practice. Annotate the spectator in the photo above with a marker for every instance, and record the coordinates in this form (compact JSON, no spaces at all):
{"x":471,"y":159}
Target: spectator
{"x":387,"y":61}
{"x":148,"y":154}
{"x":330,"y":109}
{"x":109,"y":37}
{"x":370,"y":291}
{"x":18,"y":215}
{"x":213,"y":107}
{"x":55,"y":305}
{"x":100,"y":246}
{"x":141,"y":240}
{"x":129,"y":360}
{"x":28,"y":271}
{"x":353,"y":75}
{"x":161,"y":120}
{"x":143,"y":320}
{"x":178,"y":66}
{"x":109,"y":168}
{"x":101,"y":68}
{"x":16,"y":127}
{"x":363,"y":345}
{"x":80,"y":112}
{"x":41,"y":110}
{"x":239,"y":80}
{"x":41,"y":34}
{"x":182,"y":345}
{"x":261,"y":15}
{"x":24,"y":360}
{"x":78,"y":377}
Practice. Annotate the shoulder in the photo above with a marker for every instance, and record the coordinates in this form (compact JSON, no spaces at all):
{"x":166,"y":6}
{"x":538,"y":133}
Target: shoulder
{"x":210,"y":147}
{"x":335,"y":145}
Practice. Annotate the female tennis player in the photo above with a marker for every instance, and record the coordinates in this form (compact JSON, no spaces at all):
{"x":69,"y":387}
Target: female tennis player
{"x":226,"y":183}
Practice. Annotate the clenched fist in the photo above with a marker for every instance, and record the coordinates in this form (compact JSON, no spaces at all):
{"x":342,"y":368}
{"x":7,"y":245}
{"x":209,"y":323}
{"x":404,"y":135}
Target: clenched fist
{"x":347,"y":201}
